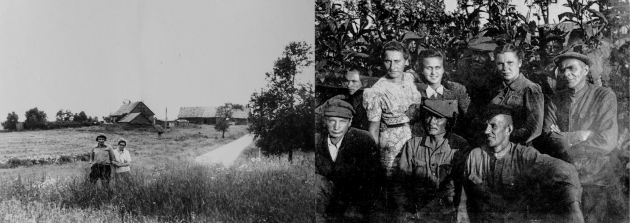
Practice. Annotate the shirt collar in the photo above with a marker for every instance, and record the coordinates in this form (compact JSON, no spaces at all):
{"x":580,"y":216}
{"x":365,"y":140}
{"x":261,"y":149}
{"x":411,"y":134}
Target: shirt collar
{"x":427,"y":143}
{"x":517,"y":83}
{"x":579,"y":93}
{"x":430,"y":91}
{"x":338,"y":144}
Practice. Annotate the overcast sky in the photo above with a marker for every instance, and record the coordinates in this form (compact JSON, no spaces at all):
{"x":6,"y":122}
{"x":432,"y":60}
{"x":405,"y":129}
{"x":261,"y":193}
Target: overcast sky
{"x":87,"y":55}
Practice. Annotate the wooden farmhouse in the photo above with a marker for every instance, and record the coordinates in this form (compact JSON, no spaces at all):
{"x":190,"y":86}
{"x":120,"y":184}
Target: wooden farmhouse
{"x":209,"y":115}
{"x":133,"y":113}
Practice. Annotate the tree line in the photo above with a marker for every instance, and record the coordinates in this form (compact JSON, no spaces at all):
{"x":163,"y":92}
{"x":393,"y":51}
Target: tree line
{"x":36,"y":119}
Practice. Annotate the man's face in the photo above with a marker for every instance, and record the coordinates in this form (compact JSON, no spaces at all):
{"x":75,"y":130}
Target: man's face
{"x":100,"y":140}
{"x":434,"y":125}
{"x":432,"y":70}
{"x":353,"y":82}
{"x":337,"y":127}
{"x":394,"y":63}
{"x":574,"y":71}
{"x":122,"y":145}
{"x":498,"y":131}
{"x":552,"y":48}
{"x":508,"y":65}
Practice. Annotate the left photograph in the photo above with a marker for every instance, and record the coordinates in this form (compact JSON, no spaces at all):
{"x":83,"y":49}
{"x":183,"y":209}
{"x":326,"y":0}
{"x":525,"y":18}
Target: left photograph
{"x":157,"y":111}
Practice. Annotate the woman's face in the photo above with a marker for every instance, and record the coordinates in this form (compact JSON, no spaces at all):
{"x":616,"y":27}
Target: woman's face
{"x":394,"y":62}
{"x":508,"y":65}
{"x":122,"y":145}
{"x":432,"y":70}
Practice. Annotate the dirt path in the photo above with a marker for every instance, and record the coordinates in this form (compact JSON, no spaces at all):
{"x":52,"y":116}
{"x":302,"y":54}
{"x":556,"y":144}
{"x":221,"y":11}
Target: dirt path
{"x":227,"y":153}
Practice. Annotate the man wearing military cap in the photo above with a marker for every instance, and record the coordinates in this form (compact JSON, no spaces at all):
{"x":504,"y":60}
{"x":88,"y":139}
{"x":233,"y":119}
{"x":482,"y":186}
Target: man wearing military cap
{"x":348,"y":170}
{"x":424,"y":177}
{"x":581,"y":128}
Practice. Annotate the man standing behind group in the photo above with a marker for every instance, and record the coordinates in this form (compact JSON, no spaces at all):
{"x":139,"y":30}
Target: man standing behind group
{"x":523,"y":96}
{"x":581,"y":122}
{"x":346,"y":166}
{"x":353,"y":96}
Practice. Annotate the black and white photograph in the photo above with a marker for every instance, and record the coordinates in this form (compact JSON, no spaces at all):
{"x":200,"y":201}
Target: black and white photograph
{"x":472,"y":111}
{"x":157,"y":111}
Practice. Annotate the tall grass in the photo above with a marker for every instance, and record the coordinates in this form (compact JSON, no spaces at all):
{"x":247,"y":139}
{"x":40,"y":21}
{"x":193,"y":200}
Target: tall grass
{"x":267,"y":190}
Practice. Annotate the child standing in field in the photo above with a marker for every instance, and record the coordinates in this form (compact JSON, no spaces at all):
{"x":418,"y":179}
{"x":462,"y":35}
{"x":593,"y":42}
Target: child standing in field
{"x":100,"y":161}
{"x":122,"y":161}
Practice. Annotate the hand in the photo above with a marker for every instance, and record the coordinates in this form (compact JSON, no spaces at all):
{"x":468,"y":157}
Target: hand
{"x":583,"y":135}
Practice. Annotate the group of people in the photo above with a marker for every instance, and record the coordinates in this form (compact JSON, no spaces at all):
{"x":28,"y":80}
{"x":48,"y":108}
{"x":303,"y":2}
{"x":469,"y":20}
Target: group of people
{"x":410,"y":146}
{"x":104,"y":158}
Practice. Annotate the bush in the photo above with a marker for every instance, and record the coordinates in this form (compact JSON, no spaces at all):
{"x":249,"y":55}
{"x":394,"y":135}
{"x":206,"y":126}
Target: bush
{"x":12,"y":120}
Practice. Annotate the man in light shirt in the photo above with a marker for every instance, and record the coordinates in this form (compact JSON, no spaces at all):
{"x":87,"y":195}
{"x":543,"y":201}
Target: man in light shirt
{"x":122,"y":161}
{"x":101,"y":157}
{"x":348,"y":169}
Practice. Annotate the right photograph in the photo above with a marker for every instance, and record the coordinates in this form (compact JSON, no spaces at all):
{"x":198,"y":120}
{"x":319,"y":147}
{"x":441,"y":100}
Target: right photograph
{"x":472,"y":111}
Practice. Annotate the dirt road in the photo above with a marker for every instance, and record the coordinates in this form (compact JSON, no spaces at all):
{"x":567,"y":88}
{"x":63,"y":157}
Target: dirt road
{"x":227,"y":153}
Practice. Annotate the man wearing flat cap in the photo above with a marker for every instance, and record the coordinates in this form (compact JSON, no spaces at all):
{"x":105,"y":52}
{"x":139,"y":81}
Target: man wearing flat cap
{"x":581,"y":128}
{"x":508,"y":182}
{"x":424,"y":177}
{"x":348,"y":170}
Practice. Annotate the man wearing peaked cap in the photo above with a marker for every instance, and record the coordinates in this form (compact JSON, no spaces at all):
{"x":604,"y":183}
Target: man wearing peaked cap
{"x":581,"y":128}
{"x":347,"y":167}
{"x":425,"y":179}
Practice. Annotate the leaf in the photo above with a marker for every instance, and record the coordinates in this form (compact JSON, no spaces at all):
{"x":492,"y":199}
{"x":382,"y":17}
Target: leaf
{"x":598,"y":14}
{"x":569,"y":15}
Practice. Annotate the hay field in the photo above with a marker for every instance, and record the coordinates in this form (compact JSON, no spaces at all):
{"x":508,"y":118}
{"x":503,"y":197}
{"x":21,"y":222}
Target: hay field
{"x":166,"y":185}
{"x":144,"y":146}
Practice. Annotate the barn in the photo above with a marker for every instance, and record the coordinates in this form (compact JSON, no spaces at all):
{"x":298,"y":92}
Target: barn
{"x":133,"y":113}
{"x":209,"y":115}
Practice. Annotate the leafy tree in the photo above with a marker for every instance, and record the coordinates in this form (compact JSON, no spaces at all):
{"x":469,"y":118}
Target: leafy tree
{"x":95,"y":119}
{"x":59,"y":116}
{"x":83,"y":116}
{"x":225,"y":114}
{"x":282,"y":115}
{"x":12,"y":119}
{"x":35,"y":119}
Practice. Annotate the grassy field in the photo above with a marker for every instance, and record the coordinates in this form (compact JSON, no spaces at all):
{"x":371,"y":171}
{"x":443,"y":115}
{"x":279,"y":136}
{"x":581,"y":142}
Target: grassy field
{"x":167,"y":186}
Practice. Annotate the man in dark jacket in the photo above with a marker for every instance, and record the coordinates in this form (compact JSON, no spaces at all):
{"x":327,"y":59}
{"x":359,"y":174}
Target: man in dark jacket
{"x":581,"y":125}
{"x":347,"y":167}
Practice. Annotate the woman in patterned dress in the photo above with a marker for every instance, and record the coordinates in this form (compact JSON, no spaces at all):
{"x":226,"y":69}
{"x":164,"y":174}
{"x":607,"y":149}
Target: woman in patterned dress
{"x":387,"y":101}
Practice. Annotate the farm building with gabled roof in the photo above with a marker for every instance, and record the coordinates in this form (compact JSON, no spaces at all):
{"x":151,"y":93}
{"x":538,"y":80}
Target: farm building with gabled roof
{"x":136,"y":118}
{"x":209,"y":115}
{"x":140,"y":111}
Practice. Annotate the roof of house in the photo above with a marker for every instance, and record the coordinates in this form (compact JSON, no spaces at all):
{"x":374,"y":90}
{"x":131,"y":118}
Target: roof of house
{"x":132,"y":116}
{"x":197,"y":112}
{"x":208,"y":112}
{"x":127,"y":108}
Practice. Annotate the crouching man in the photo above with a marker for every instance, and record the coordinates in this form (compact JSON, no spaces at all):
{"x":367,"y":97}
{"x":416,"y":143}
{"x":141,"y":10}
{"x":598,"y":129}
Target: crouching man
{"x":424,"y":177}
{"x":348,"y":170}
{"x":509,"y":182}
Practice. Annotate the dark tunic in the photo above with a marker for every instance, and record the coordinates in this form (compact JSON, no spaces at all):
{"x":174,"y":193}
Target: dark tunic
{"x":522,"y":182}
{"x":526,"y":100}
{"x":356,"y":173}
{"x":592,"y":108}
{"x":425,"y":176}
